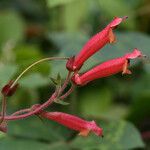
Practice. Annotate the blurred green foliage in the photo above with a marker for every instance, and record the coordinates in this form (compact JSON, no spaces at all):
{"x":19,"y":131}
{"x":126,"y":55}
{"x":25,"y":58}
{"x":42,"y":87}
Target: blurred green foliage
{"x":31,"y":30}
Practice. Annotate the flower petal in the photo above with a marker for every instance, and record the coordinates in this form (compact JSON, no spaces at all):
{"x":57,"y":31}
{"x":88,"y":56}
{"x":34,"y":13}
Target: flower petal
{"x":73,"y":122}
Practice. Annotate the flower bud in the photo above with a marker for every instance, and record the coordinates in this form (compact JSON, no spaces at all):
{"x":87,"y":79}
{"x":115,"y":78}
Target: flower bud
{"x":7,"y":90}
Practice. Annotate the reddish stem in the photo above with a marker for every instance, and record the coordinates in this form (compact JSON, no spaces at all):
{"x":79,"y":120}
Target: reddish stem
{"x":15,"y":115}
{"x":37,"y":110}
{"x":68,"y":92}
{"x":21,"y":111}
{"x":3,"y":109}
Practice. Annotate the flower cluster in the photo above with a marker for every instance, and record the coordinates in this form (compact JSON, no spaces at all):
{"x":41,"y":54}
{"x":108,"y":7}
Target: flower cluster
{"x":107,"y":68}
{"x":74,"y":65}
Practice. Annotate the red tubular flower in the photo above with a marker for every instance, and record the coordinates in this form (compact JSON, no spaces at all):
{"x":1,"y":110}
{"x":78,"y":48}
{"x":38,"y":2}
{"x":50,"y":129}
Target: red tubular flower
{"x":73,"y":122}
{"x":94,"y":44}
{"x":107,"y":68}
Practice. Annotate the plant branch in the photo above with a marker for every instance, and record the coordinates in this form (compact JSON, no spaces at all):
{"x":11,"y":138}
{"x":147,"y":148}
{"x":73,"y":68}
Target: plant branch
{"x":37,"y":110}
{"x":68,"y":92}
{"x":37,"y":62}
{"x":3,"y":111}
{"x":30,"y":112}
{"x":21,"y":111}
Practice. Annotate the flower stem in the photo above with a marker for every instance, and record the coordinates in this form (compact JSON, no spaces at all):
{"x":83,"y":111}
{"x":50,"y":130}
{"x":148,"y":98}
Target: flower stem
{"x":3,"y":111}
{"x":37,"y":62}
{"x":21,"y":111}
{"x":68,"y":92}
{"x":37,"y":110}
{"x":15,"y":115}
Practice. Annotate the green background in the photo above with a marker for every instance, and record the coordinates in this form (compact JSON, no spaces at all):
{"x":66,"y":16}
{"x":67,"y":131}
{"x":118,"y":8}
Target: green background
{"x":33,"y":29}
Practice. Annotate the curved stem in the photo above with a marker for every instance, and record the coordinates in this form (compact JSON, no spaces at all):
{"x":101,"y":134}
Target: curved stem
{"x":27,"y":110}
{"x":37,"y":62}
{"x":21,"y":111}
{"x":37,"y":110}
{"x":15,"y":115}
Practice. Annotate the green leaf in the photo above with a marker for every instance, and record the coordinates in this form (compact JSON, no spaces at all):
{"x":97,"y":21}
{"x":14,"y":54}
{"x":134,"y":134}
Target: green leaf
{"x":33,"y":128}
{"x":73,"y":20}
{"x":56,"y":81}
{"x":33,"y":80}
{"x":24,"y":144}
{"x":119,"y":135}
{"x":61,"y":102}
{"x":68,"y":43}
{"x":17,"y":144}
{"x":95,"y":102}
{"x":59,"y":78}
{"x":54,"y":3}
{"x":140,"y":100}
{"x":142,"y":87}
{"x":115,"y":112}
{"x":11,"y":27}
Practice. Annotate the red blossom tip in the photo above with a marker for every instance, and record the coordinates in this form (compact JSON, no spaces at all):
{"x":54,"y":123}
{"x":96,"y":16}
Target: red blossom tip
{"x":7,"y":90}
{"x":117,"y":21}
{"x":94,"y":128}
{"x":136,"y":53}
